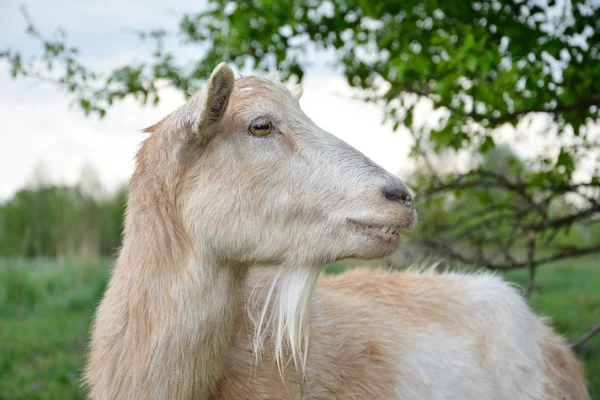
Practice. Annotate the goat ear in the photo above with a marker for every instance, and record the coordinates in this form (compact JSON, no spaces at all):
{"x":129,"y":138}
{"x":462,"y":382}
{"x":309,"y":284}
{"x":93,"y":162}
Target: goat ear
{"x":218,"y":91}
{"x":204,"y":108}
{"x":297,"y":92}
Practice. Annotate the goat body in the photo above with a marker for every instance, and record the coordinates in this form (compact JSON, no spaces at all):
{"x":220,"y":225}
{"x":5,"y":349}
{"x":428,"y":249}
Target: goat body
{"x":409,"y":335}
{"x":240,"y":176}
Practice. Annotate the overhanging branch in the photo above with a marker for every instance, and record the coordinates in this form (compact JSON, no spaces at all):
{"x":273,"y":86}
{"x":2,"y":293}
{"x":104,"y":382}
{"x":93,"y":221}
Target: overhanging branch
{"x":489,"y":264}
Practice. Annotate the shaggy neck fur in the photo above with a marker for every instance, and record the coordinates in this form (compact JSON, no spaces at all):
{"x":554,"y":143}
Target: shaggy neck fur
{"x":169,"y":307}
{"x":284,"y":317}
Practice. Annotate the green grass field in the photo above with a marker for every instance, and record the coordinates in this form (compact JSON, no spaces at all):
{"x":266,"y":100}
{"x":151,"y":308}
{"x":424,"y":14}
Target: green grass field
{"x":46,"y":309}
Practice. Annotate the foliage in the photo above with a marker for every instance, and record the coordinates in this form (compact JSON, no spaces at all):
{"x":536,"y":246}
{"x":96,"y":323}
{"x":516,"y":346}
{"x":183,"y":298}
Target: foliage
{"x":61,"y":221}
{"x":491,"y":216}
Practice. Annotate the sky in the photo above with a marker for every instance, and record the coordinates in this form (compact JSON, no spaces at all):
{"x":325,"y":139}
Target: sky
{"x":42,"y":130}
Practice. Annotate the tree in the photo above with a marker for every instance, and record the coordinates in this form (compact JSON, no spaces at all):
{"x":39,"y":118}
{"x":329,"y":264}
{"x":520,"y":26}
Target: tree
{"x":479,"y":66}
{"x":47,"y":220}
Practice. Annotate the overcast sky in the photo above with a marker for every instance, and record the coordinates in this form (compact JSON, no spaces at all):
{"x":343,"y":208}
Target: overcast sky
{"x":40,"y":126}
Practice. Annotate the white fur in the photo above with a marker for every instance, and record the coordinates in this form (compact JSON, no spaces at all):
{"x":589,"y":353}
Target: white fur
{"x":496,"y":358}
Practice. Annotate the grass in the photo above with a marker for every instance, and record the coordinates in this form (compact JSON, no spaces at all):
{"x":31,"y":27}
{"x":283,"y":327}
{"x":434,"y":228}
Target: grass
{"x":569,"y":294}
{"x":45,"y":313}
{"x":46,"y":308}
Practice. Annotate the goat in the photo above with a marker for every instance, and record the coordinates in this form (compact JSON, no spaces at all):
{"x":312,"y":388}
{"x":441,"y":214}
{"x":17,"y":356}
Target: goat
{"x":239,"y":176}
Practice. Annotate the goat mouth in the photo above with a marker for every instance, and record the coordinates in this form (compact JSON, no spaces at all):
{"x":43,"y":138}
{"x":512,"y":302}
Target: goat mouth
{"x":389,"y":234}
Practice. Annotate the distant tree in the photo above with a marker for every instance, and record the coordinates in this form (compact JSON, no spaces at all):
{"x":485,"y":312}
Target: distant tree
{"x":34,"y":222}
{"x":113,"y":214}
{"x":47,"y":220}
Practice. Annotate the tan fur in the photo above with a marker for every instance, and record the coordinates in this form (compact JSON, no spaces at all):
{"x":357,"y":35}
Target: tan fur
{"x":566,"y":377}
{"x":181,"y":318}
{"x":359,"y":319}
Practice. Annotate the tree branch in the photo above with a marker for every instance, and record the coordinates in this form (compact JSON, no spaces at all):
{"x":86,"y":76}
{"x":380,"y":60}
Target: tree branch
{"x":568,"y":220}
{"x":497,"y":181}
{"x":586,"y":336}
{"x":594,"y":100}
{"x":530,"y":263}
{"x":451,"y":253}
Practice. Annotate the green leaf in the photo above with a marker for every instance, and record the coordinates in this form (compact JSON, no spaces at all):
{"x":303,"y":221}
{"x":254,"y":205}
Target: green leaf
{"x":487,"y":145}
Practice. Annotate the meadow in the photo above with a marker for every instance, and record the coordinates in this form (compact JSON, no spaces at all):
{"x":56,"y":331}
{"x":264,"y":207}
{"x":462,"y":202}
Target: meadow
{"x":46,"y":308}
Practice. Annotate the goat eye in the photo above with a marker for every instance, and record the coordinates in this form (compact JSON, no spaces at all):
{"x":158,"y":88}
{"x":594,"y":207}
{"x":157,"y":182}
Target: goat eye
{"x":261,"y":128}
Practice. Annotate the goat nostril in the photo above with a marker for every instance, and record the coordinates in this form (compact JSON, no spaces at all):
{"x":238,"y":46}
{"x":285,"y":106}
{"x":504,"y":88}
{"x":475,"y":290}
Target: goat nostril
{"x":400,"y":196}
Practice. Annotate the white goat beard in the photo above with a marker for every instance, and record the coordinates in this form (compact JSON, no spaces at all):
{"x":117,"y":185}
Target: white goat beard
{"x":286,"y":317}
